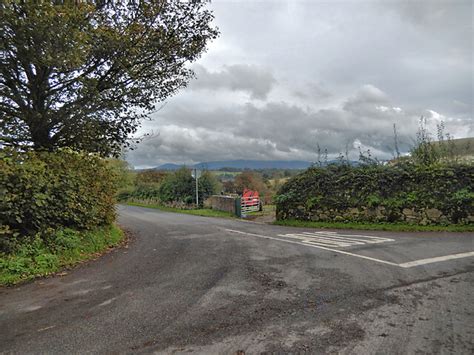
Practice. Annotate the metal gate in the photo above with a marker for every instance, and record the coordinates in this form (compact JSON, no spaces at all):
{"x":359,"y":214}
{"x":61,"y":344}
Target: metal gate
{"x":249,"y":202}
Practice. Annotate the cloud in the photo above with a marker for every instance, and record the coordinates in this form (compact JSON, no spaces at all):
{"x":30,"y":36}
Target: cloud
{"x":255,"y":80}
{"x":433,"y":14}
{"x":312,"y":91}
{"x":282,"y":130}
{"x":286,"y":76}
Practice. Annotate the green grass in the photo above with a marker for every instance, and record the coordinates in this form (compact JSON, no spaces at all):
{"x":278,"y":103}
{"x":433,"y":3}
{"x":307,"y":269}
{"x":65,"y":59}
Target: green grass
{"x":395,"y":227}
{"x":204,"y":212}
{"x":461,"y":146}
{"x":65,"y":248}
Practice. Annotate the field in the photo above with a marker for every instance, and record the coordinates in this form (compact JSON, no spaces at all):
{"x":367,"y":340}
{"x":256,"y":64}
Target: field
{"x":463,"y":147}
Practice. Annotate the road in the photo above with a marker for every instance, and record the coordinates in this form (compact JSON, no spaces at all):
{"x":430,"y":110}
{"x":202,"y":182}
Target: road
{"x":207,"y":285}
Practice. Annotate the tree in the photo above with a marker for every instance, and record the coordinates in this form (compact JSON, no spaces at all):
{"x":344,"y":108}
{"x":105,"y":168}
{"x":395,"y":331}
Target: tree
{"x":150,"y":177}
{"x":123,"y":174}
{"x":228,"y":186}
{"x":178,"y":187}
{"x":82,"y":74}
{"x":208,"y":185}
{"x":249,"y":180}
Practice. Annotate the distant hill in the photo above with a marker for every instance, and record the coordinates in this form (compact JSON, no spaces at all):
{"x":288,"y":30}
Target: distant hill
{"x":461,"y":149}
{"x":239,"y":165}
{"x":464,"y":147}
{"x":168,"y":166}
{"x":243,"y":164}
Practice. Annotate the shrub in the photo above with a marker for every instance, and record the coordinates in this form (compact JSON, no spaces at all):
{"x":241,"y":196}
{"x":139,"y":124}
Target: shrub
{"x":334,"y":190}
{"x":170,"y":188}
{"x":41,"y":191}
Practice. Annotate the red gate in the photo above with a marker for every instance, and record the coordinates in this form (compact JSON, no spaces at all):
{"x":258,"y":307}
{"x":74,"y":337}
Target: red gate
{"x":250,"y":201}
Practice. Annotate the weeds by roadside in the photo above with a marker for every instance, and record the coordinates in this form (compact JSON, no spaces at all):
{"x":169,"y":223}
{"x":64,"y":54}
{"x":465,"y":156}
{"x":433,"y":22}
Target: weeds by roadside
{"x":38,"y":257}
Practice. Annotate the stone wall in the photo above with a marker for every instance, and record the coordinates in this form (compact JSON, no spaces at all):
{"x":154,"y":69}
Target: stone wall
{"x":408,"y":193}
{"x":221,"y":203}
{"x":423,"y":216}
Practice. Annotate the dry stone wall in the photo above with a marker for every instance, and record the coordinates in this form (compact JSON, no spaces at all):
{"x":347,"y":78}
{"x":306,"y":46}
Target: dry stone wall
{"x":409,"y":194}
{"x":221,"y":203}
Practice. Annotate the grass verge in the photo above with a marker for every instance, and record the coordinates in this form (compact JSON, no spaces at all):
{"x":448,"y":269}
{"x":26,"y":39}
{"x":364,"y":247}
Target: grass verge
{"x":394,"y":227}
{"x":205,"y":212}
{"x":64,"y":248}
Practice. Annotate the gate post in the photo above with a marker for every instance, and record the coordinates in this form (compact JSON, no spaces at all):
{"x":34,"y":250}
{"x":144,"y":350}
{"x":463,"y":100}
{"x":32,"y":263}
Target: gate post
{"x":238,"y":207}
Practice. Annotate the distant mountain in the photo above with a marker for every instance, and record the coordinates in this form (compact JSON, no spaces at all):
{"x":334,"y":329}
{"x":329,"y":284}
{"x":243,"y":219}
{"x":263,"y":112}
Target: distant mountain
{"x":254,"y":164}
{"x":243,"y":164}
{"x":169,"y":166}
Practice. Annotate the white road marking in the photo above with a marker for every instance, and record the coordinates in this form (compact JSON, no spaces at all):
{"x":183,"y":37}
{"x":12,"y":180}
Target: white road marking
{"x":333,"y":239}
{"x":327,"y":242}
{"x":318,"y":245}
{"x":436,"y":259}
{"x":312,"y":245}
{"x":358,"y":237}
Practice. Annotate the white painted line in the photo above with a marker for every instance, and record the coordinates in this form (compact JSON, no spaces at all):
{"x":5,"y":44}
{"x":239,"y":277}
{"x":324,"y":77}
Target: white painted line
{"x":338,"y":237}
{"x":313,"y":246}
{"x":436,"y":259}
{"x":403,"y":265}
{"x":331,"y":238}
{"x":336,"y":243}
{"x":363,"y":237}
{"x":334,"y":240}
{"x":317,"y":240}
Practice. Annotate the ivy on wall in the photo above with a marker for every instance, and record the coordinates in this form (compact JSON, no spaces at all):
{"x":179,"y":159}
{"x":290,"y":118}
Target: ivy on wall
{"x":429,"y":194}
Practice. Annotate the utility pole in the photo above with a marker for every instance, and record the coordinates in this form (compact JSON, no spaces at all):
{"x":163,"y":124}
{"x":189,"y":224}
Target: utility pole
{"x":197,"y":187}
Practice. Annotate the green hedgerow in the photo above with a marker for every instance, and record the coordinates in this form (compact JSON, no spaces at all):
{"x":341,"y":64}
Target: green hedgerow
{"x":338,"y":188}
{"x":46,"y":191}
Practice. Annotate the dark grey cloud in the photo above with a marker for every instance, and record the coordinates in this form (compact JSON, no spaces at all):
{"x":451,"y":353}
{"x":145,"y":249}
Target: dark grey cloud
{"x":312,"y":91}
{"x":280,"y":130}
{"x":434,"y":13}
{"x":255,"y":80}
{"x":286,"y":76}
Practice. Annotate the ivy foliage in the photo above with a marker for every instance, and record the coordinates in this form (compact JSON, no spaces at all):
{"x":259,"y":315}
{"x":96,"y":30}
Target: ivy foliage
{"x":337,"y":188}
{"x":43,"y":191}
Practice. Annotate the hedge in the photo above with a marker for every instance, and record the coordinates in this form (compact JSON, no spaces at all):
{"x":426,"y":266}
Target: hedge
{"x":41,"y":191}
{"x":380,"y":193}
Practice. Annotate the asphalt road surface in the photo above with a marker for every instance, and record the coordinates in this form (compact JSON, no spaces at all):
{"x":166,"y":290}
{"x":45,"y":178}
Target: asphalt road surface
{"x":205,"y":285}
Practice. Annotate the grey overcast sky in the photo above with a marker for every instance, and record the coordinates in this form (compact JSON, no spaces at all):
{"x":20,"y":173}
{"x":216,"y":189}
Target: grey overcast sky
{"x":285,"y":76}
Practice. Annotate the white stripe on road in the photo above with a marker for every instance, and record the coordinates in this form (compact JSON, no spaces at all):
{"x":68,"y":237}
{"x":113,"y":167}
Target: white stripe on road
{"x":311,"y":245}
{"x":436,"y":259}
{"x":358,"y":237}
{"x":332,"y":239}
{"x":403,"y":265}
{"x":319,"y":240}
{"x":341,"y":237}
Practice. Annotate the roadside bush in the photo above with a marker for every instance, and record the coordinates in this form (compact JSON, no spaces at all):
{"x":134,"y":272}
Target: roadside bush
{"x":41,"y":191}
{"x":176,"y":188}
{"x":427,"y":194}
